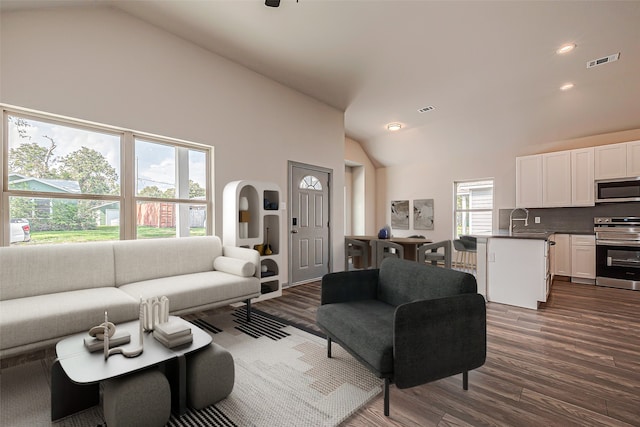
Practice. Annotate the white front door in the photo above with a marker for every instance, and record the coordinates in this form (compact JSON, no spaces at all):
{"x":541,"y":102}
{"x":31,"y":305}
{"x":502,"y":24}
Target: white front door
{"x":309,"y":222}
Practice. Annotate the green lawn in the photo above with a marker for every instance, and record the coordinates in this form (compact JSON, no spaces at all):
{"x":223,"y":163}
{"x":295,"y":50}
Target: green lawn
{"x":103,"y":233}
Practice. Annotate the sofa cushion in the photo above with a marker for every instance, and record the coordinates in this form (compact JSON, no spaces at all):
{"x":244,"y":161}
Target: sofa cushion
{"x":138,"y":260}
{"x":196,"y":290}
{"x":27,"y":271}
{"x":235,"y":266}
{"x":401,"y":281}
{"x":364,"y":328}
{"x":42,"y":317}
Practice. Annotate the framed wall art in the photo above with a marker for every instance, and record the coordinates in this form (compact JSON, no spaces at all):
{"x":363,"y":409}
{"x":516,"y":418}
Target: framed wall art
{"x":400,"y":214}
{"x":423,"y":214}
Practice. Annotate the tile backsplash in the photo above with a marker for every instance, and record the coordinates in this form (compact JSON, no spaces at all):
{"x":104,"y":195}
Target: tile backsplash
{"x":567,"y":220}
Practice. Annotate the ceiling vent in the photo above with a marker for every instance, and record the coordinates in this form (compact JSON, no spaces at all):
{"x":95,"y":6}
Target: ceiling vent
{"x":425,"y":109}
{"x":604,"y":60}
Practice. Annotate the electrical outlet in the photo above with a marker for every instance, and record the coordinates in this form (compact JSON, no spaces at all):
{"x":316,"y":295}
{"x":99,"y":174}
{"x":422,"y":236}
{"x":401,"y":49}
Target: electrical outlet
{"x":537,"y":220}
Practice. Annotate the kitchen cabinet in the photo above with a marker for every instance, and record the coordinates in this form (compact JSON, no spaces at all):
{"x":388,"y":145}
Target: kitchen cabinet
{"x":529,"y":181}
{"x":610,"y":161}
{"x":556,"y":179}
{"x":633,"y":158}
{"x":583,"y":259}
{"x":517,"y":271}
{"x":582,"y":177}
{"x":562,"y":255}
{"x":559,"y":179}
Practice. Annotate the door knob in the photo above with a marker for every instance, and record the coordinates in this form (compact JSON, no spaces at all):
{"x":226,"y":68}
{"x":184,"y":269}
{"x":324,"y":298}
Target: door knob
{"x":294,"y":231}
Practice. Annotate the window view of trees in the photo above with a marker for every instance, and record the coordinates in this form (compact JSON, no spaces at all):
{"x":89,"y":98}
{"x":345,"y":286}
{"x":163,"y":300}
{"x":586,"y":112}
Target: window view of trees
{"x":37,"y":164}
{"x":64,"y":183}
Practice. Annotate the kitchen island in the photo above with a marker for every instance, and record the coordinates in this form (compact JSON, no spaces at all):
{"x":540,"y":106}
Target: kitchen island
{"x":514,"y":269}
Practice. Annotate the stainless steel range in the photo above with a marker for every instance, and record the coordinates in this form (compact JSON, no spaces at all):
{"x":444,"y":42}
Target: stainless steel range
{"x":618,"y":252}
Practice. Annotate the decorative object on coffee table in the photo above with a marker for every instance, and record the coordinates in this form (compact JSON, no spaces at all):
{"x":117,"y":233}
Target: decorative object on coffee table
{"x":98,"y":332}
{"x":95,"y":340}
{"x":120,"y":350}
{"x":173,"y":333}
{"x":154,"y":310}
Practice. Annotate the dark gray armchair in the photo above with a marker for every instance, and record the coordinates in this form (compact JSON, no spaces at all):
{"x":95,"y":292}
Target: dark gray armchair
{"x":408,"y":323}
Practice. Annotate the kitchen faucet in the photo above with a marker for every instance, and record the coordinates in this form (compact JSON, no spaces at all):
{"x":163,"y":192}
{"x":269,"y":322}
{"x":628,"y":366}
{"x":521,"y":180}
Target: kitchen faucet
{"x":511,"y":218}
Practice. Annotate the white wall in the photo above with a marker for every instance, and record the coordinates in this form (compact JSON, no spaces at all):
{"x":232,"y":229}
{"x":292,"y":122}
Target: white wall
{"x":433,"y":177}
{"x":364,"y":189}
{"x":105,"y":66}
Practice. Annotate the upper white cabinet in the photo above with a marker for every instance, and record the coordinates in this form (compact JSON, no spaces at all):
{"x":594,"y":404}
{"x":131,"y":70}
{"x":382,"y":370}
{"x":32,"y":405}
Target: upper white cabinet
{"x":567,"y":178}
{"x":563,"y":178}
{"x":582,"y":177}
{"x":610,"y":161}
{"x":556,"y":179}
{"x":529,"y":181}
{"x":633,"y":158}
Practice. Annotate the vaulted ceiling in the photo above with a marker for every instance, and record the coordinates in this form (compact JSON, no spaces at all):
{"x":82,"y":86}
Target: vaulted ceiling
{"x":490,"y":69}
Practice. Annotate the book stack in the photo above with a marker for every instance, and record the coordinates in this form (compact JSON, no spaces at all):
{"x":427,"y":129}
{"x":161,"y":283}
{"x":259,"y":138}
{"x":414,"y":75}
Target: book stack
{"x":173,"y":333}
{"x":119,"y":338}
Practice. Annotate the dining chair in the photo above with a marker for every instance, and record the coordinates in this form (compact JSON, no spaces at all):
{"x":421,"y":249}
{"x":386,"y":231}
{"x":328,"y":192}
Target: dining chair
{"x":429,"y":253}
{"x":387,"y":249}
{"x":355,"y":249}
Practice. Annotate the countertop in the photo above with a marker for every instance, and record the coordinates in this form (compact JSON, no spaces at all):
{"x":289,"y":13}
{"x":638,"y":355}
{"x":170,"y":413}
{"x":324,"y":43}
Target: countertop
{"x":533,"y":234}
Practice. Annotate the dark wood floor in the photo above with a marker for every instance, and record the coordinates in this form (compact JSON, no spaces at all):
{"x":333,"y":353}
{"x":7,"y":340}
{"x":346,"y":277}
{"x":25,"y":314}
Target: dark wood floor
{"x":574,"y":362}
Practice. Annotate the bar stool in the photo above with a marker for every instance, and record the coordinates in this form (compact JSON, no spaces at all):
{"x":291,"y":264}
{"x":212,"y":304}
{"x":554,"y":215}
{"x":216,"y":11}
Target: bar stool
{"x":466,"y":249}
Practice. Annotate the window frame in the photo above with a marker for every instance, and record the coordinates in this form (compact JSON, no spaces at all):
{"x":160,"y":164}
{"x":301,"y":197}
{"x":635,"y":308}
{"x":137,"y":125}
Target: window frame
{"x":127,"y":199}
{"x":456,"y":210}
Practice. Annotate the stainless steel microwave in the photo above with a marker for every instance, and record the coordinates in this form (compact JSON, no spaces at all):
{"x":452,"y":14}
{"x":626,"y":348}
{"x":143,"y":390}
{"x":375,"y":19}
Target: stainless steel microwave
{"x":618,"y":190}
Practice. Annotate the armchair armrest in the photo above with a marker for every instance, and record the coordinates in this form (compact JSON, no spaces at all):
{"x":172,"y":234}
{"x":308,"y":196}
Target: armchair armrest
{"x":347,"y":286}
{"x":438,"y":338}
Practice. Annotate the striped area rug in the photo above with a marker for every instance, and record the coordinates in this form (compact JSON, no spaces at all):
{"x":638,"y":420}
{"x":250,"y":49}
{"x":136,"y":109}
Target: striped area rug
{"x":283,"y":378}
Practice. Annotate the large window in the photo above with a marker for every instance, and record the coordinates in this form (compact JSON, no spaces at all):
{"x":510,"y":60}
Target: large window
{"x":69,"y":181}
{"x":474,"y":207}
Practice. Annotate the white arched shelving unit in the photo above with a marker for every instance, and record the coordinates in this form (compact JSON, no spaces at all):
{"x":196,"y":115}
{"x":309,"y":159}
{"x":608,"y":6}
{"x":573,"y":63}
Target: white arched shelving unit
{"x":264,"y":201}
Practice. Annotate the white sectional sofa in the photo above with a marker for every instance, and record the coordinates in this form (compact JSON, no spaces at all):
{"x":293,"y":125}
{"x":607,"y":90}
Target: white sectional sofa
{"x":50,"y":291}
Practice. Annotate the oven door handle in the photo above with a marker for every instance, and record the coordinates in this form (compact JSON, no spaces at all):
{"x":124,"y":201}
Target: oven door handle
{"x":602,"y":242}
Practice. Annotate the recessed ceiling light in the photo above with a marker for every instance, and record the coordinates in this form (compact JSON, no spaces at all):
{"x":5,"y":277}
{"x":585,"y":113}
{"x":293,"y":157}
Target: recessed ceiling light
{"x":394,"y":126}
{"x":567,"y":86}
{"x":565,"y":48}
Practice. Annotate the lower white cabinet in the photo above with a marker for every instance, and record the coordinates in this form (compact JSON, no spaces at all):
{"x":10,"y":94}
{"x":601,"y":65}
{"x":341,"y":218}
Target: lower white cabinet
{"x":517,"y":272}
{"x":583,"y":258}
{"x":562,"y":255}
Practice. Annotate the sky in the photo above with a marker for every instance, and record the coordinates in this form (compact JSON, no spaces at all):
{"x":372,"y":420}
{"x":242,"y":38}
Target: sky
{"x":155,"y":162}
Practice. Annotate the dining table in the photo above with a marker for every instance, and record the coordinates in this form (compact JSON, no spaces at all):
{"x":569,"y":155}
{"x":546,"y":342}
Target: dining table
{"x":410,"y":245}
